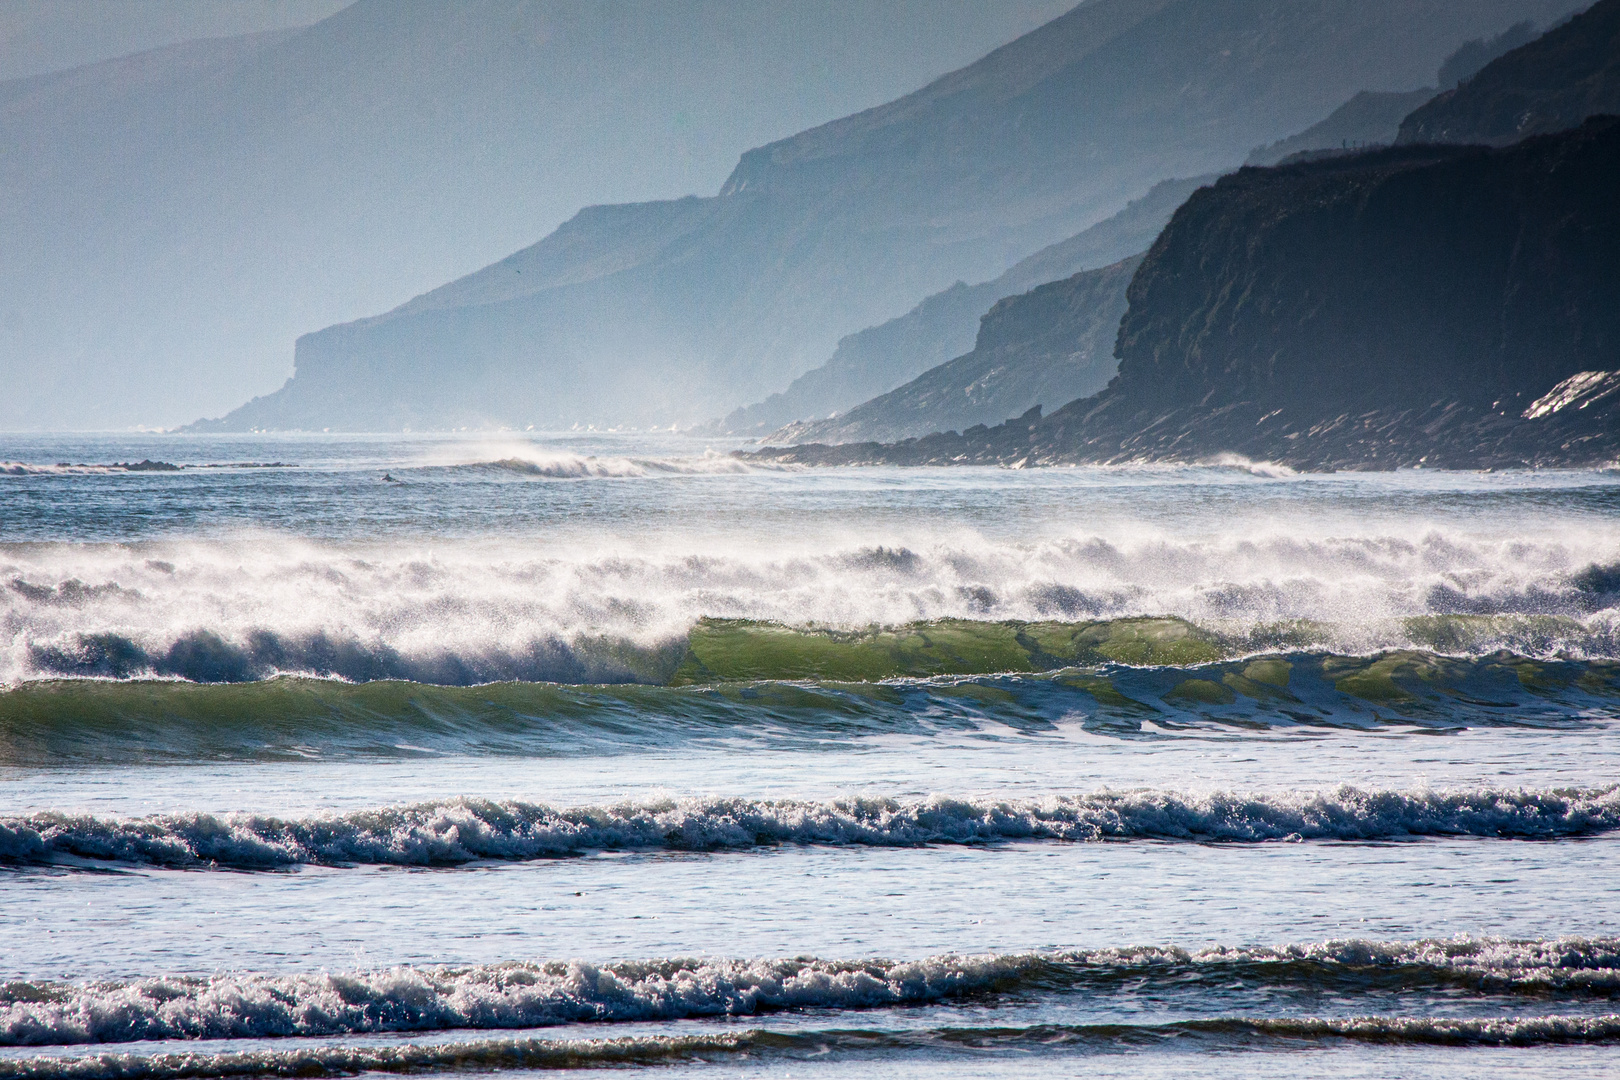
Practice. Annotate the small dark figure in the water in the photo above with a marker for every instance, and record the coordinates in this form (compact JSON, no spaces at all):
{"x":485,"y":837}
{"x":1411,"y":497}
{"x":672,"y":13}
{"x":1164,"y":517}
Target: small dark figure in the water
{"x":390,"y":480}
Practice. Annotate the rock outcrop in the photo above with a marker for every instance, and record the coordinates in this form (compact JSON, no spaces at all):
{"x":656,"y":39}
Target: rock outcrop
{"x":1553,"y":83}
{"x":1423,"y":305}
{"x":1041,"y":349}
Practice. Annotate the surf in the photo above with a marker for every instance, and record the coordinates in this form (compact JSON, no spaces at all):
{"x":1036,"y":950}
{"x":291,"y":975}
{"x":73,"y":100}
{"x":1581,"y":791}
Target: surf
{"x":544,"y":994}
{"x":829,"y":687}
{"x":474,"y":612}
{"x":465,"y":830}
{"x":939,"y":1045}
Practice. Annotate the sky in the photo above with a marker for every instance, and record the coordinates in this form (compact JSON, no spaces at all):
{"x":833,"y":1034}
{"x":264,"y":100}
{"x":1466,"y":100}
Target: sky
{"x":169,"y":234}
{"x":40,"y":36}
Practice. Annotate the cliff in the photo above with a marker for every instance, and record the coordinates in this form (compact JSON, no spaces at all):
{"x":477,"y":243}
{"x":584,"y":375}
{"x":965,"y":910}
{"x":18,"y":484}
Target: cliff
{"x":973,"y":389}
{"x":880,"y":358}
{"x":1368,"y":119}
{"x":1041,"y":349}
{"x":1428,"y":305}
{"x":845,"y":225}
{"x":1554,"y":82}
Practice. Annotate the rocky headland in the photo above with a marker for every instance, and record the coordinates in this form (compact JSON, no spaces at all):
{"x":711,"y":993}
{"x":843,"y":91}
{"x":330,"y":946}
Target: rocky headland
{"x":1550,"y":84}
{"x":682,"y":310}
{"x":1052,"y":344}
{"x":1423,"y":305}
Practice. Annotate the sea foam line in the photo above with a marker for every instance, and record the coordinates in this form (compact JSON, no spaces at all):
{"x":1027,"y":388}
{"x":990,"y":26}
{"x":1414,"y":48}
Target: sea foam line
{"x":1233,"y":1032}
{"x":462,"y":830}
{"x":579,"y":466}
{"x":529,"y":995}
{"x":467,"y":613}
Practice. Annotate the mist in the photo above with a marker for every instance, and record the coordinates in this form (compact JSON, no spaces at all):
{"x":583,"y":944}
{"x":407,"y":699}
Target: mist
{"x":175,"y":219}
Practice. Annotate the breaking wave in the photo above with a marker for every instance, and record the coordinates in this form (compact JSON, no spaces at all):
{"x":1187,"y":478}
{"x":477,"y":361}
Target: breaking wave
{"x":538,"y":464}
{"x":464,"y":830}
{"x":503,"y":996}
{"x":23,"y":468}
{"x":1268,"y":469}
{"x":520,"y":995}
{"x":469,"y":613}
{"x":728,"y":684}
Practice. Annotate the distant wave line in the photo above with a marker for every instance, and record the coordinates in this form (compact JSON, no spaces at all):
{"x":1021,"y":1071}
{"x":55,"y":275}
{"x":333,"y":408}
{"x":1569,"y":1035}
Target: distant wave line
{"x":565,"y":466}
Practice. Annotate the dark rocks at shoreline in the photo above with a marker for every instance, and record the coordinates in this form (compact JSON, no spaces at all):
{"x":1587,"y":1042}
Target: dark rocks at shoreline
{"x":1441,"y":435}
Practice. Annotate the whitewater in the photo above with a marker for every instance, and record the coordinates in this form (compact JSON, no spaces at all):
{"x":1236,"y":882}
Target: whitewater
{"x":328,"y":754}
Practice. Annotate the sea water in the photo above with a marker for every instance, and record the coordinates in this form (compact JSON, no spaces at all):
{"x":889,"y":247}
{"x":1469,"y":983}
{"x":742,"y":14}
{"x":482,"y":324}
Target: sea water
{"x":329,"y":754}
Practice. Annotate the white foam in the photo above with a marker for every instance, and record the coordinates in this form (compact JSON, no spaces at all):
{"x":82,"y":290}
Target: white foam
{"x":456,"y":605}
{"x":327,"y":1060}
{"x":575,"y":466}
{"x":521,"y":1053}
{"x":524,"y":458}
{"x":521,"y":995}
{"x":504,"y":996}
{"x":464,"y":830}
{"x":1269,"y":469}
{"x":23,"y":468}
{"x":1425,"y":1030}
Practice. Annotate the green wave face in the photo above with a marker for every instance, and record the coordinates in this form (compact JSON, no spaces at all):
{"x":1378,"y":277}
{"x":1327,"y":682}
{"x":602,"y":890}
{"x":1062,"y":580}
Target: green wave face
{"x":725,"y":650}
{"x":1136,"y":678}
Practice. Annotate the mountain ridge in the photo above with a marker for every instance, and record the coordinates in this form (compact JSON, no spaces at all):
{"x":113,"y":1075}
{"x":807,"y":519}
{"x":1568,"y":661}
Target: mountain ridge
{"x":804,"y":246}
{"x":944,"y":326}
{"x":1552,"y":83}
{"x":1042,"y":348}
{"x":173,"y":220}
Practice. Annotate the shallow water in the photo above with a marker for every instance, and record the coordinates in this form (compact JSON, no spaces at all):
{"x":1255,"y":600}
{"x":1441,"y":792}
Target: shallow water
{"x":826,"y":772}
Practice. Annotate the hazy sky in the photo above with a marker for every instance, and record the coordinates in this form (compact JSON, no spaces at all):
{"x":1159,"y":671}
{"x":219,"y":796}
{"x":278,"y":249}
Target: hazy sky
{"x":37,"y":36}
{"x":178,"y":242}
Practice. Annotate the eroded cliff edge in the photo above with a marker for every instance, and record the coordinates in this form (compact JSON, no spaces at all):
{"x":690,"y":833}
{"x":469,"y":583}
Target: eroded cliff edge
{"x":1050,"y":345}
{"x":1450,"y":306}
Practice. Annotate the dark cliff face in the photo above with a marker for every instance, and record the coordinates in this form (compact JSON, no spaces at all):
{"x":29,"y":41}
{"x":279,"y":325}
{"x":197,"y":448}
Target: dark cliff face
{"x":1553,"y":83}
{"x":1441,"y":271}
{"x":1391,"y":308}
{"x":1042,"y":348}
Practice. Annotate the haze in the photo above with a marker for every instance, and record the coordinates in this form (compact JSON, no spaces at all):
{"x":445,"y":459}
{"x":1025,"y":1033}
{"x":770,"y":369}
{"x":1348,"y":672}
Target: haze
{"x":175,"y":219}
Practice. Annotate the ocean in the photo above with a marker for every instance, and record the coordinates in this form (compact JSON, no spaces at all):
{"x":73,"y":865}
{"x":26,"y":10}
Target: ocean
{"x":325,"y":754}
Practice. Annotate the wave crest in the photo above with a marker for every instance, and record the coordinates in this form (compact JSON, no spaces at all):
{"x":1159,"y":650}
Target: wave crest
{"x":518,"y":995}
{"x":565,"y":466}
{"x":465,"y":830}
{"x":504,"y":996}
{"x":222,"y":610}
